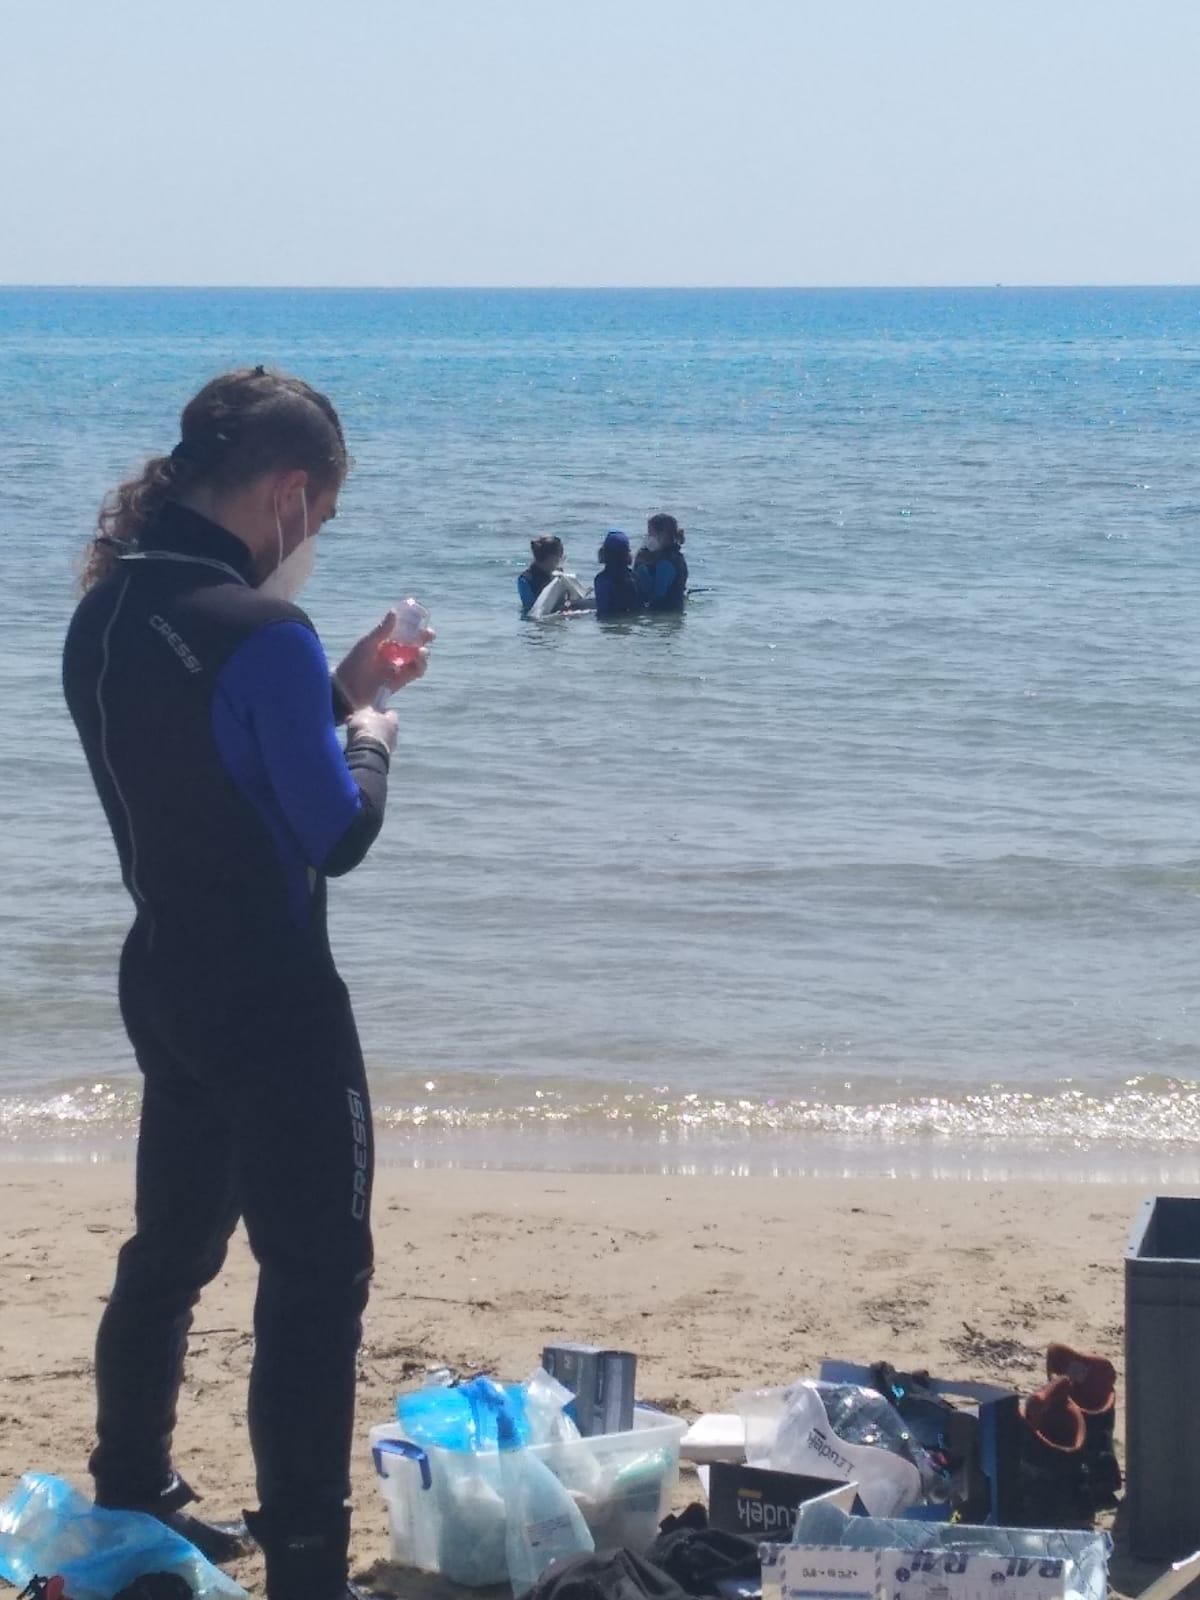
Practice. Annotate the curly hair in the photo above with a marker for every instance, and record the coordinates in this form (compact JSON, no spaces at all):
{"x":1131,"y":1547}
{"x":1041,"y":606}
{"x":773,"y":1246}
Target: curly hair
{"x":239,"y":426}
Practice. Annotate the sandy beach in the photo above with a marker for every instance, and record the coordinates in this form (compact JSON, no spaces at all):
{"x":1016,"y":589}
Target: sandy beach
{"x":715,"y":1283}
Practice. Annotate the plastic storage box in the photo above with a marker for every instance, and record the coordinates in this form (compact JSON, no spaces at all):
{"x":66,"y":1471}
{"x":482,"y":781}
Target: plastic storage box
{"x":1162,"y":1377}
{"x":446,"y":1509}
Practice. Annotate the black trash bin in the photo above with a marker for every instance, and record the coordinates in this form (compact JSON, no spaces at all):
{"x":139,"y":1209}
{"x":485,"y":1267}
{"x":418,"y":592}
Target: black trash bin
{"x":1162,"y":1378}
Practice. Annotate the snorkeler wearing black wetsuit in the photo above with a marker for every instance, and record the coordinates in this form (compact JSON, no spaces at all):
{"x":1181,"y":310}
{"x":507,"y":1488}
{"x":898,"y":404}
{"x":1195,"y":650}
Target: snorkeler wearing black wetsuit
{"x":205,"y":707}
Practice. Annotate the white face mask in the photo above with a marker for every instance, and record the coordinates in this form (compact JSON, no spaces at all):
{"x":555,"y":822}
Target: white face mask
{"x":293,"y":571}
{"x":653,"y":543}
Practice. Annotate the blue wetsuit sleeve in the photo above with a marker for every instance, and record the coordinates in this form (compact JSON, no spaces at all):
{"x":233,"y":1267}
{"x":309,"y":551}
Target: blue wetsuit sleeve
{"x":643,"y":575}
{"x":277,"y":685}
{"x":664,"y":577}
{"x":342,"y":709}
{"x":525,"y":590}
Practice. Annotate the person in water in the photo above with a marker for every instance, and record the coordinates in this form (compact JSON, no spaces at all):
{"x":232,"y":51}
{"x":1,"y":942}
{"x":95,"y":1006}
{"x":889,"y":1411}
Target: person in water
{"x":616,"y":588}
{"x":208,"y":717}
{"x":661,"y":568}
{"x":547,"y":560}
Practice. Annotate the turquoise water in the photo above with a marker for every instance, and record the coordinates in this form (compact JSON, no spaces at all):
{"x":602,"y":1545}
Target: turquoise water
{"x":890,"y":845}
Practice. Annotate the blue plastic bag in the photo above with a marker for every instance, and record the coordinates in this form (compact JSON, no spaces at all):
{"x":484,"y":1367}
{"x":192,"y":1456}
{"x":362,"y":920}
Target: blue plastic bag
{"x":461,"y":1417}
{"x":48,"y":1527}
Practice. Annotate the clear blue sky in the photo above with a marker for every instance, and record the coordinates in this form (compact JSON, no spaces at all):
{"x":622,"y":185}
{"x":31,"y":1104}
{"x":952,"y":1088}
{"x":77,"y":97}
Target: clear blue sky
{"x":600,"y":141}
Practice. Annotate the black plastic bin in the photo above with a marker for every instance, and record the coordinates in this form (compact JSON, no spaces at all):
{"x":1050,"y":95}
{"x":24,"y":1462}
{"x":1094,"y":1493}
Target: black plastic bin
{"x":1162,"y":1378}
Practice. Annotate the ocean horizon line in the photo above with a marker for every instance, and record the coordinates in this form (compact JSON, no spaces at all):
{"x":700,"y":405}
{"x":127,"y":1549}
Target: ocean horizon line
{"x":589,"y":288}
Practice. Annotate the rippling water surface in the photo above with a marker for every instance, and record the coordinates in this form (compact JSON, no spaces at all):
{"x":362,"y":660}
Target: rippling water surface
{"x":887,"y":851}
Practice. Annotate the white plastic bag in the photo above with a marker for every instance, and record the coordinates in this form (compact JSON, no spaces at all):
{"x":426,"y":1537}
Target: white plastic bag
{"x":569,"y":1457}
{"x":839,"y":1431}
{"x":471,"y":1519}
{"x":563,"y":588}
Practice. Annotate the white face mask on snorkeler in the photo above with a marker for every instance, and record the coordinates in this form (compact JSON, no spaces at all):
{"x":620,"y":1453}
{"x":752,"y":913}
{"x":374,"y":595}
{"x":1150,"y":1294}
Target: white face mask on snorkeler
{"x":292,"y":571}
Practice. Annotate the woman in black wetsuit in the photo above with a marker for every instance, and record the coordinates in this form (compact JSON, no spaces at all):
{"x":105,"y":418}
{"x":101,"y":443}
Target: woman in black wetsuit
{"x":207,"y":713}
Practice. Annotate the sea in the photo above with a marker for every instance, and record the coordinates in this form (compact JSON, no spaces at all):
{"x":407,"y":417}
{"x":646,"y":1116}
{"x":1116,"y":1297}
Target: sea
{"x":883,"y":858}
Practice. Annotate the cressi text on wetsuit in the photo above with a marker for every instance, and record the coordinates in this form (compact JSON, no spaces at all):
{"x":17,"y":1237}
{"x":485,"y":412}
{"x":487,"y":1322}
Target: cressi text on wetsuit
{"x":662,"y":579}
{"x":206,"y":713}
{"x":616,"y":591}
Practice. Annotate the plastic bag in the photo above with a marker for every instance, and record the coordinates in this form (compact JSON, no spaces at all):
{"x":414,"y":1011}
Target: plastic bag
{"x":543,"y":1522}
{"x":839,"y":1431}
{"x":461,"y":1423}
{"x":569,"y":1456}
{"x":546,"y":1401}
{"x":471,"y":1520}
{"x":563,"y":589}
{"x":47,"y":1526}
{"x":462,"y":1417}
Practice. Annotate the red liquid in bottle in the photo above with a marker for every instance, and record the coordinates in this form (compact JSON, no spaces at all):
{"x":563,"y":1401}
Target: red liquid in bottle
{"x":399,"y":655}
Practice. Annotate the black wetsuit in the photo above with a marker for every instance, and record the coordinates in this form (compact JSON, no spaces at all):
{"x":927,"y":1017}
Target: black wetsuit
{"x":205,"y":712}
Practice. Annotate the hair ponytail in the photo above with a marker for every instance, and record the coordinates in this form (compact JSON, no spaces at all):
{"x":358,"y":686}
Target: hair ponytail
{"x":126,"y":513}
{"x":238,"y":427}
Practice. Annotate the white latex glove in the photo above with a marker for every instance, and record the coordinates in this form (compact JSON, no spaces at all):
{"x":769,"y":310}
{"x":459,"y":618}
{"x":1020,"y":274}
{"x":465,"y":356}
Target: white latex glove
{"x":371,"y":724}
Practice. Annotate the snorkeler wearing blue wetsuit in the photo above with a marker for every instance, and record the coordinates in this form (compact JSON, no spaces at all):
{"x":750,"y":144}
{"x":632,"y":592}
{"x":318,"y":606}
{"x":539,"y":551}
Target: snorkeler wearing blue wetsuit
{"x":661,"y":568}
{"x":615,"y":588}
{"x":547,"y":559}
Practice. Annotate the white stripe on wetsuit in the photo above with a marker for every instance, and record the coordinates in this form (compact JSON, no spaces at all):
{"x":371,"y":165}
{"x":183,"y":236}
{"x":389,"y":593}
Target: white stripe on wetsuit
{"x":108,"y":766}
{"x":194,"y":561}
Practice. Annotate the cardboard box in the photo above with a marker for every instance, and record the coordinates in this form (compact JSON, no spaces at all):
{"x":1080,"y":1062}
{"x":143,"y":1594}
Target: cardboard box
{"x":760,"y":1504}
{"x":811,"y":1572}
{"x":602,"y":1382}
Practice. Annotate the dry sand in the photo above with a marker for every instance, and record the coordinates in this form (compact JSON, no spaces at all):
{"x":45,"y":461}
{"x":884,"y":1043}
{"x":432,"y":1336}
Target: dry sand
{"x":714,"y":1282}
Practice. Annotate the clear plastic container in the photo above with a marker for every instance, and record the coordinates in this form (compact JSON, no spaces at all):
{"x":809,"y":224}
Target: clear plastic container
{"x":446,"y":1508}
{"x":1003,"y":1560}
{"x":402,"y":649}
{"x":404,"y":645}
